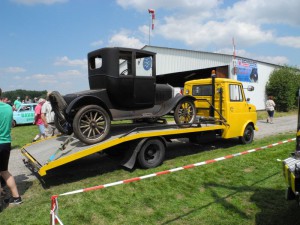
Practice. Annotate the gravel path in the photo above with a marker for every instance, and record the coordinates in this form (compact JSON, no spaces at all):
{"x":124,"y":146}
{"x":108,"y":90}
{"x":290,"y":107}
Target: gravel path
{"x":280,"y":125}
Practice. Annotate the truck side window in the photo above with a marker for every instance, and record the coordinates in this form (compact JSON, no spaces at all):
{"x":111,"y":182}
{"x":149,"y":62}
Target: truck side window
{"x":202,"y":90}
{"x":235,"y":93}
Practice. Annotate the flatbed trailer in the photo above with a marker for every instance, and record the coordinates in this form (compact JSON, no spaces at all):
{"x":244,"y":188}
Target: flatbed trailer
{"x":51,"y":153}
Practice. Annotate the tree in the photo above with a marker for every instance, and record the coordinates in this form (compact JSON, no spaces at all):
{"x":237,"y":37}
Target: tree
{"x":12,"y":95}
{"x":283,"y":85}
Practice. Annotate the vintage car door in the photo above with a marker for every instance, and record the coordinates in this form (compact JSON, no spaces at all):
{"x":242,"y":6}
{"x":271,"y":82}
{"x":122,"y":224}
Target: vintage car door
{"x":144,"y":83}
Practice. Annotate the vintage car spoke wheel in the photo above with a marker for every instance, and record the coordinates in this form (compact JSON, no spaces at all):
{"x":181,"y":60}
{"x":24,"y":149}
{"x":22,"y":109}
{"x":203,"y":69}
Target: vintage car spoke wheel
{"x":151,"y":154}
{"x":185,"y":113}
{"x":91,"y":124}
{"x":62,"y":125}
{"x":248,"y":135}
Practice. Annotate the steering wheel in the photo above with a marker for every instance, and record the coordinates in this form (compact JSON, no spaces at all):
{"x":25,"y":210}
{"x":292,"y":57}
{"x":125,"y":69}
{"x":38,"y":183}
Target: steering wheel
{"x":124,"y":72}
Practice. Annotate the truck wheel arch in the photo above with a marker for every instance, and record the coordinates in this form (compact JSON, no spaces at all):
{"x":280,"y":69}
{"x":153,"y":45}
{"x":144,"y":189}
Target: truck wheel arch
{"x":247,"y":134}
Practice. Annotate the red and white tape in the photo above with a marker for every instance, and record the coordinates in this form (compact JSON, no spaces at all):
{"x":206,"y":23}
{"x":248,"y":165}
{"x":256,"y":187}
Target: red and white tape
{"x":175,"y":169}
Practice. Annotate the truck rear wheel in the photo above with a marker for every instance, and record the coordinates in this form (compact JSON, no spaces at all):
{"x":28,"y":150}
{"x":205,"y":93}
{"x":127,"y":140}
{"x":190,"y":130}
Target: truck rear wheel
{"x":152,"y":153}
{"x":185,"y":113}
{"x":248,"y":135}
{"x":91,"y":124}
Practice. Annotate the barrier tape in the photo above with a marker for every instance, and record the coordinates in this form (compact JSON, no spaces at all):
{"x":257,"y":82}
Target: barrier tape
{"x":53,"y":212}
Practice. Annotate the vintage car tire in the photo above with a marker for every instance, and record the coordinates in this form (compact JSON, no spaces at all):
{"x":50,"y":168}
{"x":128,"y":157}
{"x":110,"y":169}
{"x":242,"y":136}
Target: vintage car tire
{"x":63,"y":126}
{"x":185,"y":113}
{"x":86,"y":124}
{"x":58,"y":104}
{"x":248,"y":135}
{"x":152,"y":153}
{"x":13,"y":123}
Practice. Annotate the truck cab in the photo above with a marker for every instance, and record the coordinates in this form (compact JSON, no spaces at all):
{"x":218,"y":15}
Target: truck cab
{"x":224,"y":100}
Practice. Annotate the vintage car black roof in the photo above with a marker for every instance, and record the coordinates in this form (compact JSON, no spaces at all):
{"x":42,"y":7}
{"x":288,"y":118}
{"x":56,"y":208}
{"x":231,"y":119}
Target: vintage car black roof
{"x":116,"y":50}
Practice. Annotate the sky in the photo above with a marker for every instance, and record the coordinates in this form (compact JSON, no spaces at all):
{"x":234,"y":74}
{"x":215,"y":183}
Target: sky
{"x":44,"y":43}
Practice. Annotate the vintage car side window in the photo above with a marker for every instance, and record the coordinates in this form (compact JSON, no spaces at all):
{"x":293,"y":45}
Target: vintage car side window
{"x":235,"y":93}
{"x":95,"y":62}
{"x":125,"y":63}
{"x":144,"y":65}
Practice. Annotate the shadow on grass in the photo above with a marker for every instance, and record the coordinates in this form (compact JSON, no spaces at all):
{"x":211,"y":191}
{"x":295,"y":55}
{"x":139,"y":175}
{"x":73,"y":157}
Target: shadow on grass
{"x":274,"y":209}
{"x":23,"y":184}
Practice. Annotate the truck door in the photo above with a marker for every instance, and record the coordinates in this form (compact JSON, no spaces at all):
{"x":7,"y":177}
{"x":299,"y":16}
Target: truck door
{"x":144,"y":82}
{"x":238,"y":110}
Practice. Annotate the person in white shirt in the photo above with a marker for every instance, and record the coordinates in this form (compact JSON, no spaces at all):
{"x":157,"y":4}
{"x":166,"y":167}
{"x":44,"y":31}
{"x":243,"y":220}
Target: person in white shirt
{"x":270,"y":107}
{"x":48,"y":118}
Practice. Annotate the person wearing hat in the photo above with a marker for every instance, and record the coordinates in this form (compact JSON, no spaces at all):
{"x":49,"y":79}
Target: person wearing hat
{"x":17,"y":103}
{"x":39,"y":121}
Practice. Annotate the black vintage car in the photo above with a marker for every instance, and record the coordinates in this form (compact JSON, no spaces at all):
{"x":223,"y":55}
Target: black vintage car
{"x":122,"y":86}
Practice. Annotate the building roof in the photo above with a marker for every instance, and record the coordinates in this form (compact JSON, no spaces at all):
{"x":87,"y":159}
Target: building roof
{"x":213,"y":53}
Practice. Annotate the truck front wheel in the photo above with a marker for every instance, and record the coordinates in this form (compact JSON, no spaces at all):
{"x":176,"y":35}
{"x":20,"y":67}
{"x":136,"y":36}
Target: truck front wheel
{"x":91,"y":124}
{"x":152,"y":153}
{"x":185,"y":113}
{"x":248,"y":135}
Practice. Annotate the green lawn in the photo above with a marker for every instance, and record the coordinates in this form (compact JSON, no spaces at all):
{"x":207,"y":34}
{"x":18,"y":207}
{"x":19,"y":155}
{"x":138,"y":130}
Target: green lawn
{"x":248,"y":189}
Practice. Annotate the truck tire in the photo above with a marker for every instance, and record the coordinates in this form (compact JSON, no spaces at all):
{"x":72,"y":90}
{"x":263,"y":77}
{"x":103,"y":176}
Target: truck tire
{"x":91,"y":124}
{"x":289,"y":194}
{"x":185,"y":113}
{"x":152,"y":153}
{"x":248,"y":135}
{"x":63,"y":126}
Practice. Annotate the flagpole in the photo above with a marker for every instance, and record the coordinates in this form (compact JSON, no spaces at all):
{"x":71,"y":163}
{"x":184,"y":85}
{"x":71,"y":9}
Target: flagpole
{"x":150,"y":24}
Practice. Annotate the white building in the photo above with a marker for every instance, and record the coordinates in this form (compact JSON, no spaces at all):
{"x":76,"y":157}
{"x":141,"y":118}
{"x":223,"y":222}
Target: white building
{"x":175,"y":66}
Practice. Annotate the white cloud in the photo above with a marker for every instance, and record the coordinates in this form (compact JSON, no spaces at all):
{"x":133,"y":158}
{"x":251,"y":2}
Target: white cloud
{"x":65,"y":61}
{"x":35,"y":2}
{"x":123,"y":39}
{"x":265,"y":12}
{"x":202,"y":35}
{"x":13,"y":70}
{"x":70,"y":74}
{"x":293,"y":42}
{"x":97,"y":43}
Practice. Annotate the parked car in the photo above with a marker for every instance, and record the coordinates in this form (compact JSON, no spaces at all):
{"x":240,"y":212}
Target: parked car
{"x":24,"y":115}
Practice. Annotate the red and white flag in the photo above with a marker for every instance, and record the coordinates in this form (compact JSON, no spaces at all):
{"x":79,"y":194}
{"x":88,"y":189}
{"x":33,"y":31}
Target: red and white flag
{"x":152,"y":12}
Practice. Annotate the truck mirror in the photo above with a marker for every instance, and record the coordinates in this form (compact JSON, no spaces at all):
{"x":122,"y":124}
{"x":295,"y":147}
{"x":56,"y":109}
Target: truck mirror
{"x":250,"y":88}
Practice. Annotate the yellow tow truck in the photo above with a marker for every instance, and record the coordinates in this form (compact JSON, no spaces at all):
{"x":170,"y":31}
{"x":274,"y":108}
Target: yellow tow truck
{"x":291,"y":166}
{"x":222,"y":111}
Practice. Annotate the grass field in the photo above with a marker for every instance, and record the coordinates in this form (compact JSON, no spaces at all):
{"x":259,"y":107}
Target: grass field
{"x":247,"y":189}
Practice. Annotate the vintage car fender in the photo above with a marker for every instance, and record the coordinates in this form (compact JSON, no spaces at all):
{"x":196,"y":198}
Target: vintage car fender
{"x":170,"y":105}
{"x":87,"y":100}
